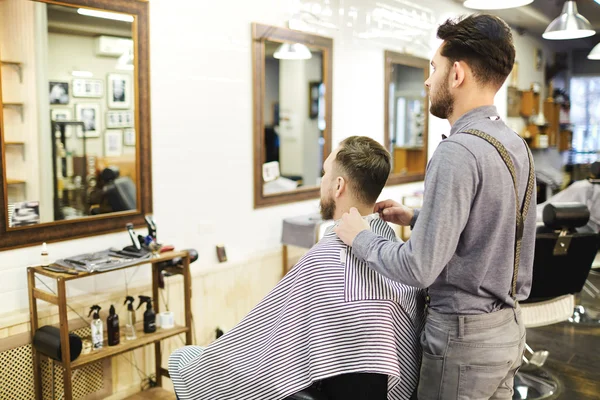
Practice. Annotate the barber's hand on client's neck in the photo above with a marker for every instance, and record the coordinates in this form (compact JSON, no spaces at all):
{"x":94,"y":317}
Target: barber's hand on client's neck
{"x":350,"y":225}
{"x":394,"y":212}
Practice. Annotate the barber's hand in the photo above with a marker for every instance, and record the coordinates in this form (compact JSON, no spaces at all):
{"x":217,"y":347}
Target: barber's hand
{"x":394,"y":212}
{"x":350,"y":226}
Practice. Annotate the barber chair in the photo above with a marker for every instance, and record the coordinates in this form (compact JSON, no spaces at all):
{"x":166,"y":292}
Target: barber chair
{"x":563,"y":259}
{"x":118,"y":193}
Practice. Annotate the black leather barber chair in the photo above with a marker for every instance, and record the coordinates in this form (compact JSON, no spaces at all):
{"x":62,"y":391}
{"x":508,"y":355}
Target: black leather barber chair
{"x":563,"y":259}
{"x":118,"y":193}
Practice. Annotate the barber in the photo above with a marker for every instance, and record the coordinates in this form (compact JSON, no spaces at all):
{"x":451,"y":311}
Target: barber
{"x":472,"y":242}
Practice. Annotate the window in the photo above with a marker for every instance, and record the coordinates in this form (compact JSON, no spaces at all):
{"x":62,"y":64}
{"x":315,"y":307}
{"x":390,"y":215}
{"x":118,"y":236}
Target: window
{"x":585,"y":113}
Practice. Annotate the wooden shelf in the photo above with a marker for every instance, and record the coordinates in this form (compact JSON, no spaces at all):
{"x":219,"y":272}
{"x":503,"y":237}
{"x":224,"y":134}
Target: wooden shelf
{"x":16,"y":106}
{"x":17,"y":144}
{"x":142,"y":340}
{"x":153,"y":260}
{"x":60,"y":299}
{"x":15,"y":182}
{"x":17,"y":66}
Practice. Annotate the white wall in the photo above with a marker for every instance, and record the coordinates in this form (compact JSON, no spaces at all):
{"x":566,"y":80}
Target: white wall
{"x":202,"y":149}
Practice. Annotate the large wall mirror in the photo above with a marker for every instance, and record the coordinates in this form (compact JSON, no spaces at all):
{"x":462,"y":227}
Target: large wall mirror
{"x":406,"y":116}
{"x":75,"y":118}
{"x":292,"y":113}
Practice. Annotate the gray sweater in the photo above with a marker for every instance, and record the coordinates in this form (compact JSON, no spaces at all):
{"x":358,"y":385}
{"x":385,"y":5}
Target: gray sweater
{"x":462,"y":244}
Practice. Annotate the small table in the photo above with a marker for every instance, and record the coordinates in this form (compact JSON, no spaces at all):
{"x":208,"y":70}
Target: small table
{"x":301,"y":231}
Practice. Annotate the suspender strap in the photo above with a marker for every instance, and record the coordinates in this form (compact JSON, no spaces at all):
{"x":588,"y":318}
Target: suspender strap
{"x":524,"y":209}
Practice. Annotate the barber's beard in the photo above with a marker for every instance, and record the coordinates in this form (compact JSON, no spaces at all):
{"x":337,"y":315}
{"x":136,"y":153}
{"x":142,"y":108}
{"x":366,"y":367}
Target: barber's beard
{"x":327,"y":208}
{"x":442,"y":104}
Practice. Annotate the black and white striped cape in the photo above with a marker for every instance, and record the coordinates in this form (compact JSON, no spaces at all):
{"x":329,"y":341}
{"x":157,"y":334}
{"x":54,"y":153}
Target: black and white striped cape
{"x":329,"y":315}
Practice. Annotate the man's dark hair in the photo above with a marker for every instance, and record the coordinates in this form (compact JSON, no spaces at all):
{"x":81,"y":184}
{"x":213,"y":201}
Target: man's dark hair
{"x":366,"y":164}
{"x":482,"y":41}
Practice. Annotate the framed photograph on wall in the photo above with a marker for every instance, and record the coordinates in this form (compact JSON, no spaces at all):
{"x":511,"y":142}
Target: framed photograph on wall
{"x":113,"y":143}
{"x":129,"y":137}
{"x":89,"y":114}
{"x":62,"y":114}
{"x":119,"y":91}
{"x":119,"y":119}
{"x":313,"y":99}
{"x":59,"y":93}
{"x":538,"y":58}
{"x":88,"y":88}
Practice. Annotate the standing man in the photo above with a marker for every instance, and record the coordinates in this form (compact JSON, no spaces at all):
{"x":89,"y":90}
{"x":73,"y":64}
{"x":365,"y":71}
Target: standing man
{"x":472,"y":242}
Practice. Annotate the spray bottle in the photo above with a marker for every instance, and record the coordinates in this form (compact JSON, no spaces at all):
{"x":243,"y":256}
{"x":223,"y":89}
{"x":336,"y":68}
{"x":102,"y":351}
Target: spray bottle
{"x":130,"y":324}
{"x":97,"y":328}
{"x":112,"y":327}
{"x":149,"y":314}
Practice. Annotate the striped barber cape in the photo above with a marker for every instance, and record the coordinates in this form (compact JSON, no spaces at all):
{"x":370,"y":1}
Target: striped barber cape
{"x":330,"y":315}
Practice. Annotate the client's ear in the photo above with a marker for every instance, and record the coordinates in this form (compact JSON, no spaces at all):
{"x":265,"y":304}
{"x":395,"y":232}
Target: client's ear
{"x":340,"y":186}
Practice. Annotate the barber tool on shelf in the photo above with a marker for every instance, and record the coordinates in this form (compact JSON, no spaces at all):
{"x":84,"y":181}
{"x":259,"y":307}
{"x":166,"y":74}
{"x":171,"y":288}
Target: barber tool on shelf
{"x":149,"y":314}
{"x":173,"y":266}
{"x":130,"y":324}
{"x":112,"y":327}
{"x":46,"y":340}
{"x":97,"y":327}
{"x":151,"y":226}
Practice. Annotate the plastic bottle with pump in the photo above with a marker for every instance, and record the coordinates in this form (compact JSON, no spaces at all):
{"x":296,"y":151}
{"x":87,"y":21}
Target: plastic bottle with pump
{"x":149,"y":314}
{"x":112,"y":326}
{"x":97,"y":328}
{"x":44,"y":259}
{"x":130,"y":324}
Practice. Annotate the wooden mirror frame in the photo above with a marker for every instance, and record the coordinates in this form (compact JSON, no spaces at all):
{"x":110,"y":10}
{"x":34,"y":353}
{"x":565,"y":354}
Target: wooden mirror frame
{"x":113,"y":222}
{"x":260,"y":34}
{"x":392,"y":58}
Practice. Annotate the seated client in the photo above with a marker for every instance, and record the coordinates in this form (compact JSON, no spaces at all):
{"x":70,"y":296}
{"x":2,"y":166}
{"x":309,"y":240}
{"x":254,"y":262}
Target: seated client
{"x":331,"y":322}
{"x":586,"y":191}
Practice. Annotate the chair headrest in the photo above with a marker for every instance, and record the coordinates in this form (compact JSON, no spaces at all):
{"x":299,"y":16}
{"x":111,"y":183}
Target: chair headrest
{"x":595,"y":169}
{"x":565,"y":215}
{"x":110,"y":173}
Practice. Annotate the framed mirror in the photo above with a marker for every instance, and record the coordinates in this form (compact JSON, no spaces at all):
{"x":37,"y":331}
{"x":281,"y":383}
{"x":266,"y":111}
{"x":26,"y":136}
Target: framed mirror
{"x":75,"y":120}
{"x":292,"y":113}
{"x":406,"y":116}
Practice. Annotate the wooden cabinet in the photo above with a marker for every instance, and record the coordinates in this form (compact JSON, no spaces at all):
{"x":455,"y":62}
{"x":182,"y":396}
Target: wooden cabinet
{"x":530,"y":103}
{"x":409,"y":160}
{"x":551,"y":112}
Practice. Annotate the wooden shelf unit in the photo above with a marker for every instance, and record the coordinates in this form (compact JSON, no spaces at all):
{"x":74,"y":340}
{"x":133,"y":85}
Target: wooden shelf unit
{"x":142,"y":339}
{"x":17,"y":66}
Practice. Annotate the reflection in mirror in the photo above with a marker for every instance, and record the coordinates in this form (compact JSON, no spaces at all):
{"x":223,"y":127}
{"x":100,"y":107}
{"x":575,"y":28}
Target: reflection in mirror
{"x":68,"y":122}
{"x":294,"y":117}
{"x":407,"y":111}
{"x":408,"y":119}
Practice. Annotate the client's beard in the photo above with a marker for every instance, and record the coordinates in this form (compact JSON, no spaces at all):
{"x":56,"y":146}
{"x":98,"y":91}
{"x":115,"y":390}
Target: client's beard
{"x":327,"y":208}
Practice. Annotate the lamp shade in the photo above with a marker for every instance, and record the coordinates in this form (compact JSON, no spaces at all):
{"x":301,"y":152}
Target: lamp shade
{"x":292,"y":51}
{"x":595,"y":53}
{"x":569,"y":25}
{"x":495,"y":5}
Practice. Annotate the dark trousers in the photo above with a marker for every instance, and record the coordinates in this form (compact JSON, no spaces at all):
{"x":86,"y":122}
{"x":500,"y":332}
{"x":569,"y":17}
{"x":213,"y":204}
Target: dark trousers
{"x":357,"y":386}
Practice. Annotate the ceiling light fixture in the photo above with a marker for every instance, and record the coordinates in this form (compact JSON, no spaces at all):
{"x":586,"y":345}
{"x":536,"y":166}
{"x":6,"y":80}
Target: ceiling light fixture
{"x":595,"y":53}
{"x":569,"y":25}
{"x":495,"y":5}
{"x":292,"y":51}
{"x":82,"y":74}
{"x":105,"y":15}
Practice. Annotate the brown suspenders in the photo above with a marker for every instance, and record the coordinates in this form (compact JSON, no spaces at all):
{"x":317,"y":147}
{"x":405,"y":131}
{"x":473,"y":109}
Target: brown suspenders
{"x":522,"y":212}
